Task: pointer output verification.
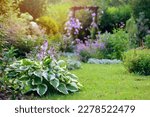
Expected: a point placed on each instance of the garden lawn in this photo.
(111, 82)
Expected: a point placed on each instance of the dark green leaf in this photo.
(41, 89)
(72, 87)
(62, 88)
(37, 81)
(54, 83)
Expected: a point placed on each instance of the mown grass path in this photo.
(108, 82)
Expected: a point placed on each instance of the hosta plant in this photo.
(45, 76)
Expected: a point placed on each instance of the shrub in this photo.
(49, 24)
(114, 17)
(66, 44)
(147, 41)
(16, 32)
(59, 12)
(116, 44)
(138, 61)
(41, 77)
(6, 58)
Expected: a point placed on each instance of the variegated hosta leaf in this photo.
(54, 83)
(62, 88)
(37, 80)
(42, 89)
(72, 87)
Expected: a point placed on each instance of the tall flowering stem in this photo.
(73, 26)
(93, 26)
(45, 50)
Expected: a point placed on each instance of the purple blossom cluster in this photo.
(94, 24)
(72, 26)
(89, 46)
(45, 50)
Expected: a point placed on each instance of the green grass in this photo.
(111, 82)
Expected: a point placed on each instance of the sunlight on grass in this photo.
(108, 82)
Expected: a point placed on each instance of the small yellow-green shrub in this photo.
(49, 24)
(138, 61)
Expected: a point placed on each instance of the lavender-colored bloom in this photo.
(46, 51)
(102, 45)
(90, 46)
(93, 14)
(73, 24)
(44, 47)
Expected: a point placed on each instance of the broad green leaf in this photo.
(72, 76)
(41, 89)
(47, 61)
(24, 68)
(26, 89)
(37, 81)
(12, 74)
(38, 73)
(26, 62)
(61, 63)
(45, 75)
(62, 88)
(72, 87)
(24, 78)
(54, 83)
(52, 77)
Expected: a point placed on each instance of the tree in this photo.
(141, 6)
(33, 7)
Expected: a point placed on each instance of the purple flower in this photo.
(46, 51)
(44, 47)
(73, 24)
(90, 46)
(93, 14)
(102, 45)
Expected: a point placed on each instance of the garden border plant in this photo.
(46, 76)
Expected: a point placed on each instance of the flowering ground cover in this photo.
(108, 82)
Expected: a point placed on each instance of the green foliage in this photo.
(85, 55)
(35, 8)
(59, 12)
(116, 44)
(141, 6)
(138, 61)
(16, 32)
(42, 77)
(86, 23)
(142, 28)
(147, 41)
(6, 58)
(48, 23)
(131, 28)
(73, 64)
(114, 17)
(116, 82)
